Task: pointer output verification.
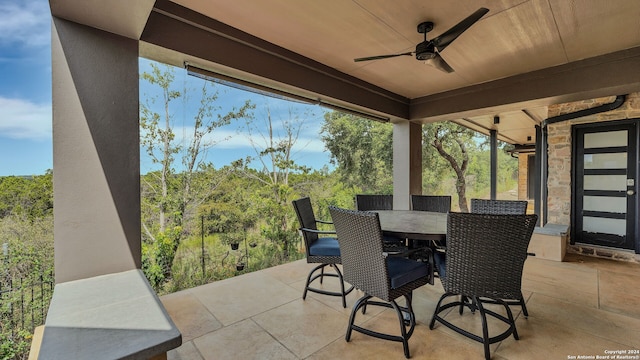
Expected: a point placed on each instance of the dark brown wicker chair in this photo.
(384, 277)
(374, 202)
(515, 207)
(435, 203)
(482, 206)
(381, 202)
(485, 259)
(322, 250)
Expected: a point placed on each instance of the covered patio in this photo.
(583, 306)
(511, 68)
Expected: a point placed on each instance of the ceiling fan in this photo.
(429, 50)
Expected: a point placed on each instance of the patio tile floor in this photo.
(582, 306)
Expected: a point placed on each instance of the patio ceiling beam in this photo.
(243, 56)
(606, 75)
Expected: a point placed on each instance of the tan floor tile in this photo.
(472, 322)
(600, 323)
(562, 298)
(366, 347)
(241, 297)
(243, 340)
(329, 284)
(567, 281)
(187, 351)
(603, 264)
(541, 339)
(303, 327)
(620, 292)
(291, 272)
(190, 316)
(424, 302)
(423, 344)
(558, 271)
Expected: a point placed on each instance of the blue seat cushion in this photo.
(325, 247)
(403, 271)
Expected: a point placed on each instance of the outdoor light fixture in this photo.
(272, 92)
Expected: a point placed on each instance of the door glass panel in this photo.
(604, 225)
(605, 139)
(605, 204)
(605, 182)
(605, 161)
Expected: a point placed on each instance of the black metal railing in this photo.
(24, 301)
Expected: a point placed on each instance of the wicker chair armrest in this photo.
(317, 231)
(324, 221)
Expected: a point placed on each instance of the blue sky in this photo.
(25, 101)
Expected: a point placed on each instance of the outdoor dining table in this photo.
(414, 225)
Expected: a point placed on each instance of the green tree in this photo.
(451, 141)
(169, 190)
(362, 149)
(273, 140)
(31, 196)
(26, 259)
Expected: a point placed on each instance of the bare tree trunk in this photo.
(459, 169)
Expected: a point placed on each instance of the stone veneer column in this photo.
(407, 163)
(523, 175)
(96, 156)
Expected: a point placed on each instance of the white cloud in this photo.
(228, 139)
(25, 22)
(21, 119)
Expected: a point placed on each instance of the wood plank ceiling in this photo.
(514, 45)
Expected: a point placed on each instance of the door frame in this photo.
(633, 156)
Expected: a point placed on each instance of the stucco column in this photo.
(96, 156)
(407, 163)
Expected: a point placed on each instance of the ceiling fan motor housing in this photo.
(425, 50)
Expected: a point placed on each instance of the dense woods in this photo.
(248, 205)
(202, 223)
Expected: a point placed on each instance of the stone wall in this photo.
(523, 180)
(523, 175)
(559, 151)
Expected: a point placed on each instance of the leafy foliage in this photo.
(362, 150)
(26, 259)
(26, 196)
(191, 210)
(170, 192)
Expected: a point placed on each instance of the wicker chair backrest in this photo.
(360, 240)
(374, 202)
(483, 206)
(486, 254)
(306, 219)
(435, 203)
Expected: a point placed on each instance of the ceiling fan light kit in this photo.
(429, 50)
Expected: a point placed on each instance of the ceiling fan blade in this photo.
(382, 57)
(439, 63)
(446, 38)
